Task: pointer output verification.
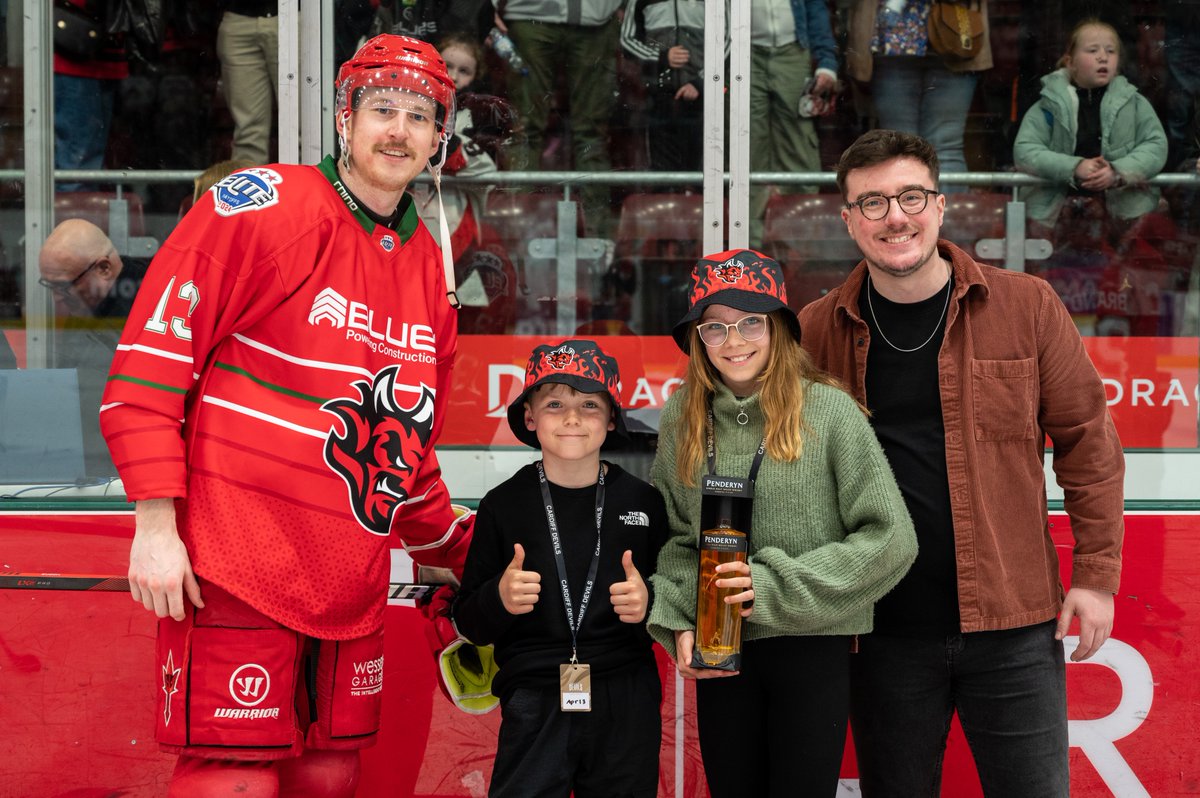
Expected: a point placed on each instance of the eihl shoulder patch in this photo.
(247, 190)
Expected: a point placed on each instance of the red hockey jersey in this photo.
(283, 373)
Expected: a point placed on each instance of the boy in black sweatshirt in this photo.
(578, 685)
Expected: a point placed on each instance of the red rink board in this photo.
(76, 690)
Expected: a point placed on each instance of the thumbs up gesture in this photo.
(629, 598)
(519, 589)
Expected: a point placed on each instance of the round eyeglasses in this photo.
(715, 333)
(64, 286)
(912, 201)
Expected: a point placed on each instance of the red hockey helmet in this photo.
(401, 63)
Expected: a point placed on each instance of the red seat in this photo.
(807, 235)
(974, 215)
(652, 224)
(93, 206)
(519, 217)
(659, 239)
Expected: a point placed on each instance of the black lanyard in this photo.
(712, 449)
(560, 564)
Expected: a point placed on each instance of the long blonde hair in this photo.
(781, 397)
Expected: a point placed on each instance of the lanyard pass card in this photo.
(575, 687)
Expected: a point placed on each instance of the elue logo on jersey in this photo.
(362, 325)
(248, 190)
(381, 448)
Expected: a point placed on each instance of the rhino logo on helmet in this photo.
(381, 447)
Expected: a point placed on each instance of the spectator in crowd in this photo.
(829, 533)
(914, 89)
(1091, 133)
(557, 37)
(966, 370)
(545, 525)
(88, 67)
(164, 107)
(248, 47)
(272, 411)
(1181, 49)
(485, 276)
(667, 36)
(431, 20)
(80, 265)
(792, 56)
(94, 288)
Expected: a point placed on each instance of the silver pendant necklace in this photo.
(936, 327)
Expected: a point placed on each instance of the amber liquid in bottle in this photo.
(718, 625)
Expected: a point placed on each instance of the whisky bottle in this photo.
(718, 625)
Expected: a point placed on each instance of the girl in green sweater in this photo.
(830, 533)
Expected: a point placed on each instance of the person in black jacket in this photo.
(578, 684)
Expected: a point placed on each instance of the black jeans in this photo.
(778, 729)
(1008, 687)
(610, 752)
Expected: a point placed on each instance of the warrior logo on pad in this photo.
(247, 190)
(381, 447)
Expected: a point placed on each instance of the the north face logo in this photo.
(329, 306)
(635, 518)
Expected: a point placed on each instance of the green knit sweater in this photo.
(830, 536)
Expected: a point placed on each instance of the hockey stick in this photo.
(120, 584)
(27, 581)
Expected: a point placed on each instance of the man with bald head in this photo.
(82, 268)
(93, 288)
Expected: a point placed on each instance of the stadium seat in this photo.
(94, 207)
(659, 239)
(972, 216)
(519, 217)
(806, 234)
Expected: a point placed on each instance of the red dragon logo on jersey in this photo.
(381, 448)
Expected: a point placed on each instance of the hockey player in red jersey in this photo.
(272, 410)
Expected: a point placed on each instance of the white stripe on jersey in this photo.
(301, 361)
(149, 350)
(246, 411)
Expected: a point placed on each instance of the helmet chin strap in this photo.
(443, 227)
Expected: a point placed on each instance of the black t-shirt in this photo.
(530, 647)
(906, 412)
